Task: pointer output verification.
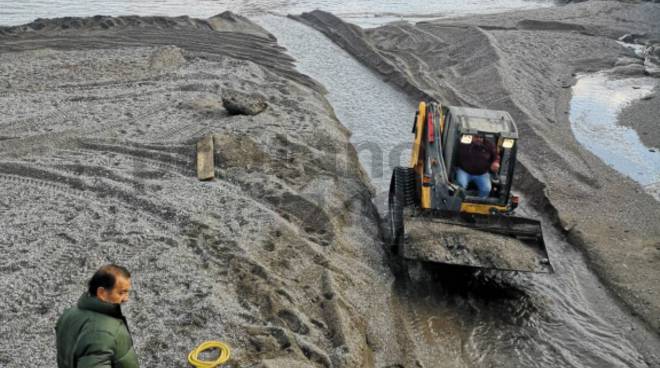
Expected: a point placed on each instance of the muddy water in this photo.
(463, 320)
(362, 12)
(596, 102)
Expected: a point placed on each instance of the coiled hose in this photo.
(223, 357)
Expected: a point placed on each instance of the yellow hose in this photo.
(222, 358)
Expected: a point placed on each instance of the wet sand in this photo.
(643, 117)
(524, 62)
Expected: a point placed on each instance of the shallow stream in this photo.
(597, 100)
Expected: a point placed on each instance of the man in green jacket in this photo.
(94, 334)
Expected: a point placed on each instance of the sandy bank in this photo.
(99, 120)
(524, 62)
(643, 117)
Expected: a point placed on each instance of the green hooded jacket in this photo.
(94, 334)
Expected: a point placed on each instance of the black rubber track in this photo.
(403, 193)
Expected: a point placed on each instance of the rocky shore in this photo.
(525, 63)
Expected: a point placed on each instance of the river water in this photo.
(362, 12)
(566, 319)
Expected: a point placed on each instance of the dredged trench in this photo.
(454, 319)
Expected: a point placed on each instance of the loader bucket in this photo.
(492, 242)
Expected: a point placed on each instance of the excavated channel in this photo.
(458, 319)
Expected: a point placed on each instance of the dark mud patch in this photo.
(540, 25)
(237, 103)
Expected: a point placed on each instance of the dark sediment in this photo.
(237, 103)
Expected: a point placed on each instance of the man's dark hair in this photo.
(106, 277)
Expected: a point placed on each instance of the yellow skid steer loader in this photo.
(433, 219)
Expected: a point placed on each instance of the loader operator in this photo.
(94, 334)
(474, 161)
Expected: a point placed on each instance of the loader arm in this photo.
(428, 161)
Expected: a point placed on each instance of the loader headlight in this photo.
(508, 142)
(466, 139)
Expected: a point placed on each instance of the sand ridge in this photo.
(98, 131)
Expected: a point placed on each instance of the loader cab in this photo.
(461, 124)
(428, 213)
